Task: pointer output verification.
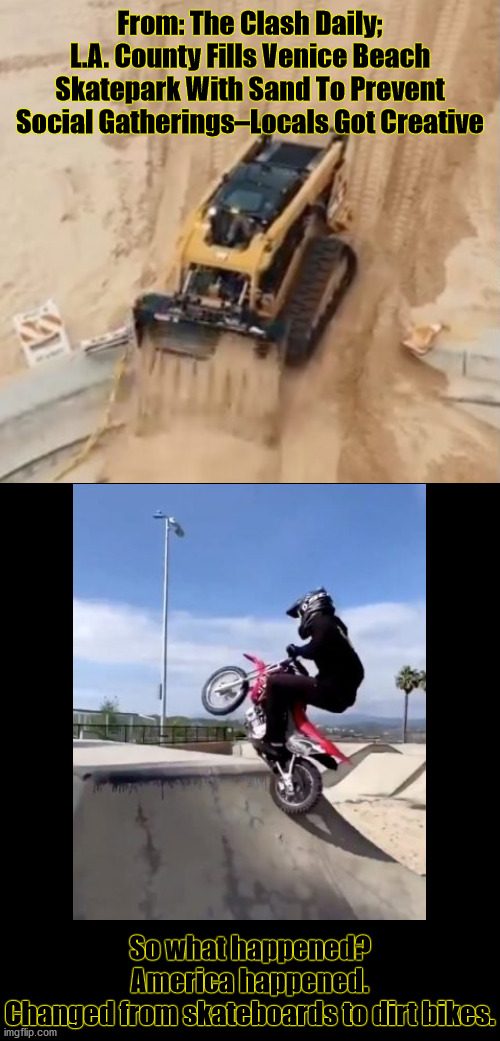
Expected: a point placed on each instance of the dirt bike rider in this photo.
(340, 671)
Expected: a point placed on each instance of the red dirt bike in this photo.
(298, 783)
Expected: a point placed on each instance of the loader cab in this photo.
(248, 202)
(230, 227)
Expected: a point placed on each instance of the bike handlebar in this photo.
(297, 665)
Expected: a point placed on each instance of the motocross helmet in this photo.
(316, 602)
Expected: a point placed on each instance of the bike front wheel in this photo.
(300, 789)
(225, 690)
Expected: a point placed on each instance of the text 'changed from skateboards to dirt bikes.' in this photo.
(225, 992)
(217, 46)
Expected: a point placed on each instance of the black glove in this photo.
(292, 650)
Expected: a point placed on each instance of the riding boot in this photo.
(272, 749)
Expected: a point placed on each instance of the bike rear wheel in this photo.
(304, 791)
(225, 690)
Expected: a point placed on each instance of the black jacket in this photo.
(332, 652)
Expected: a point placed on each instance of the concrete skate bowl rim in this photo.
(148, 773)
(27, 469)
(92, 741)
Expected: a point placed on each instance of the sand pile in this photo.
(398, 829)
(90, 220)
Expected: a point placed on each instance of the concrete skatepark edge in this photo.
(194, 842)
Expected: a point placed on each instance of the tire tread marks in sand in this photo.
(405, 173)
(422, 155)
(374, 154)
(461, 70)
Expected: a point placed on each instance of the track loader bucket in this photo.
(157, 322)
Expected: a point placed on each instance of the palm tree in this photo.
(408, 679)
(421, 681)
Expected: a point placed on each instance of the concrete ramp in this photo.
(415, 791)
(376, 776)
(187, 842)
(340, 778)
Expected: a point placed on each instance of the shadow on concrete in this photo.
(336, 831)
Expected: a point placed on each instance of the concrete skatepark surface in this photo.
(115, 753)
(190, 841)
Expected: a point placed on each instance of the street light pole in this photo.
(170, 522)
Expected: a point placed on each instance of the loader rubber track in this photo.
(328, 262)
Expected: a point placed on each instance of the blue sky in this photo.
(249, 551)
